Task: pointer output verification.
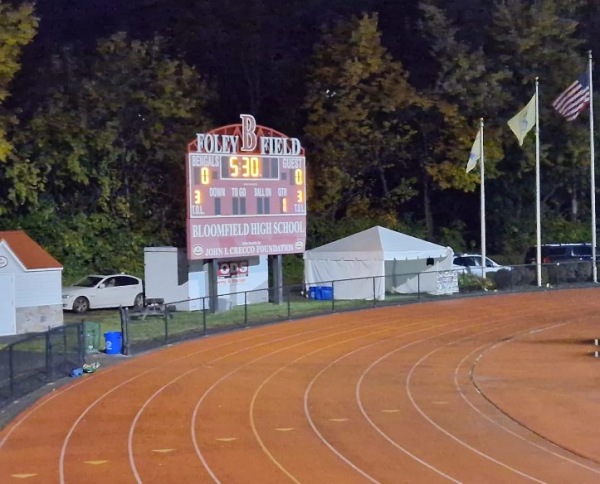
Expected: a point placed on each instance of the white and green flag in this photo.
(522, 123)
(475, 155)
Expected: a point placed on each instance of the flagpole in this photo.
(592, 171)
(537, 186)
(482, 197)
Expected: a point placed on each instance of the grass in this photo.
(186, 323)
(198, 322)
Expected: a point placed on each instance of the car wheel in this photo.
(138, 302)
(81, 305)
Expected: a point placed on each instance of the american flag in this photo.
(574, 98)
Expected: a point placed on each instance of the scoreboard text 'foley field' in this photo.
(246, 189)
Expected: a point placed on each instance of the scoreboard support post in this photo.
(276, 263)
(213, 289)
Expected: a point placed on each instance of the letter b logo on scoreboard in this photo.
(233, 268)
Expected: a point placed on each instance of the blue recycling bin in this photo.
(326, 293)
(113, 342)
(312, 292)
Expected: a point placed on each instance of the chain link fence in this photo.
(161, 323)
(38, 359)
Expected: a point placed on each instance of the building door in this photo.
(8, 317)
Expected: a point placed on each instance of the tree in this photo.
(18, 26)
(356, 131)
(257, 48)
(488, 70)
(462, 91)
(542, 40)
(103, 157)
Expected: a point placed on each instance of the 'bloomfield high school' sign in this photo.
(246, 189)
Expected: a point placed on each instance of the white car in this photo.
(103, 291)
(471, 264)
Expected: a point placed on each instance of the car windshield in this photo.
(89, 281)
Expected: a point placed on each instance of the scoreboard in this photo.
(246, 189)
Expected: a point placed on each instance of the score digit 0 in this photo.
(299, 176)
(204, 175)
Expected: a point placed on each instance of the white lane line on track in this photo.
(312, 382)
(489, 347)
(171, 382)
(443, 430)
(74, 385)
(60, 392)
(360, 324)
(272, 375)
(134, 468)
(209, 364)
(150, 370)
(379, 430)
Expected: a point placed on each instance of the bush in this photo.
(503, 279)
(569, 272)
(470, 282)
(522, 276)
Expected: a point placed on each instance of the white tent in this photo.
(367, 264)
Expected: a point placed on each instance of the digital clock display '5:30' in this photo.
(236, 167)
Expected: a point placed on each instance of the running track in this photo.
(492, 389)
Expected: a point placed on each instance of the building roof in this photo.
(29, 252)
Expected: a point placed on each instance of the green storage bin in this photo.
(92, 336)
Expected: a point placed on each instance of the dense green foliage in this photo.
(97, 172)
(386, 98)
(17, 28)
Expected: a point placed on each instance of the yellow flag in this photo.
(523, 121)
(475, 152)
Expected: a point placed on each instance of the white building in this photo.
(30, 286)
(168, 275)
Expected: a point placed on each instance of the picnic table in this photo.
(153, 308)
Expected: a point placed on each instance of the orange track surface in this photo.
(491, 389)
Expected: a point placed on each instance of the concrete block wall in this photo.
(39, 318)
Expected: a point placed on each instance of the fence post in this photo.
(332, 296)
(64, 331)
(289, 306)
(127, 321)
(124, 312)
(374, 292)
(166, 327)
(81, 343)
(204, 315)
(11, 369)
(245, 308)
(48, 356)
(418, 286)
